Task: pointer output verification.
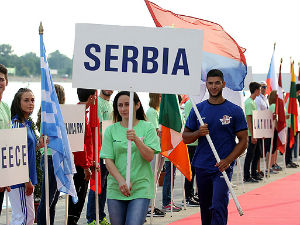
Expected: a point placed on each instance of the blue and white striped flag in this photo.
(53, 126)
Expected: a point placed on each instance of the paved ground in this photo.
(178, 197)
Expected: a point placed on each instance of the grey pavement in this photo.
(178, 197)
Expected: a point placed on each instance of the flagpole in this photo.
(6, 208)
(41, 32)
(46, 181)
(66, 208)
(238, 206)
(155, 187)
(264, 159)
(129, 142)
(172, 188)
(271, 149)
(298, 146)
(241, 174)
(96, 175)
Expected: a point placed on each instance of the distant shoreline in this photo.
(37, 79)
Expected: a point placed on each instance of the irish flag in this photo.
(172, 145)
(279, 110)
(292, 108)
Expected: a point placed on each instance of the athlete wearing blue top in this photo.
(224, 121)
(21, 195)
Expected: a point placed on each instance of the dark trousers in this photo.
(188, 185)
(53, 194)
(91, 205)
(213, 196)
(81, 186)
(288, 151)
(1, 200)
(252, 159)
(166, 192)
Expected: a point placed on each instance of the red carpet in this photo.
(277, 203)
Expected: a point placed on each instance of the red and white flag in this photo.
(279, 110)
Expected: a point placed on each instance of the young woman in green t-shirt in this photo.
(129, 205)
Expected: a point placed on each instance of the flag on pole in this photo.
(172, 145)
(281, 121)
(94, 123)
(53, 126)
(293, 107)
(272, 80)
(220, 50)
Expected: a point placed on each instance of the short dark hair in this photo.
(253, 86)
(297, 87)
(215, 73)
(16, 104)
(140, 114)
(3, 70)
(84, 94)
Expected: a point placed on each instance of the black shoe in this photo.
(250, 180)
(192, 203)
(156, 213)
(258, 178)
(196, 197)
(291, 165)
(295, 164)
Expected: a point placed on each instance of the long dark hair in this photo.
(140, 114)
(16, 104)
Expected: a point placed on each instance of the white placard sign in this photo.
(74, 118)
(263, 124)
(159, 60)
(13, 157)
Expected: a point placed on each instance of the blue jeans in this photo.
(213, 196)
(166, 198)
(91, 205)
(53, 194)
(131, 212)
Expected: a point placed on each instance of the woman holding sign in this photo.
(21, 195)
(129, 205)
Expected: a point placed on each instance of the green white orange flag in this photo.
(293, 107)
(172, 145)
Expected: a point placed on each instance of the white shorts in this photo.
(22, 207)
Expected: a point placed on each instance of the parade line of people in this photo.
(229, 126)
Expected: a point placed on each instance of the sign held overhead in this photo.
(159, 60)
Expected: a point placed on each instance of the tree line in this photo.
(29, 64)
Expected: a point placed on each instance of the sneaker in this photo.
(156, 213)
(175, 208)
(291, 165)
(276, 167)
(104, 222)
(250, 180)
(192, 203)
(295, 164)
(257, 177)
(273, 171)
(196, 197)
(92, 223)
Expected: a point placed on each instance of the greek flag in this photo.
(52, 125)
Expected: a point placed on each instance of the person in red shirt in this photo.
(83, 160)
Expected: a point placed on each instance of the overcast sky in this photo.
(255, 24)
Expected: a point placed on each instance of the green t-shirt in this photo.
(152, 116)
(105, 109)
(272, 108)
(114, 146)
(187, 109)
(5, 118)
(250, 106)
